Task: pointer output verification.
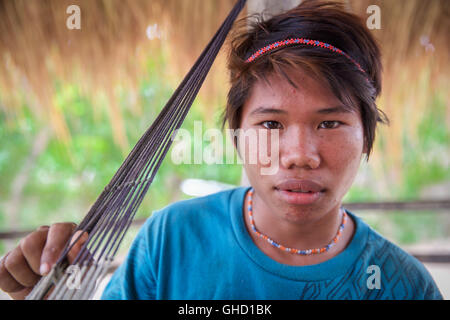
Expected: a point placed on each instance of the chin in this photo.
(303, 212)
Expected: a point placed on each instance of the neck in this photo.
(304, 231)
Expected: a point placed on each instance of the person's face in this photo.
(315, 143)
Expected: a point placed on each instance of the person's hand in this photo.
(22, 267)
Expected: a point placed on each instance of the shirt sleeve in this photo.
(426, 287)
(432, 292)
(134, 279)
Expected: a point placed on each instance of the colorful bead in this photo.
(306, 42)
(291, 250)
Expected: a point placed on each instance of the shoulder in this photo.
(404, 275)
(392, 256)
(212, 201)
(196, 212)
(215, 202)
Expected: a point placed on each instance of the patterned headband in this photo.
(296, 41)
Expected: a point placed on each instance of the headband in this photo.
(295, 41)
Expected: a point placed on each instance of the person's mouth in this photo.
(297, 191)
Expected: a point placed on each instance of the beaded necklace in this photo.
(291, 250)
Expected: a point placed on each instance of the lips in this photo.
(299, 192)
(300, 185)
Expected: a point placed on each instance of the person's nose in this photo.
(299, 149)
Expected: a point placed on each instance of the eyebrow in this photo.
(266, 110)
(337, 109)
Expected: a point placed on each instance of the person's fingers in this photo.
(32, 247)
(57, 237)
(78, 245)
(7, 281)
(20, 295)
(18, 268)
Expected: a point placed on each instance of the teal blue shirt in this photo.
(201, 249)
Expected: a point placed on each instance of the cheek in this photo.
(257, 156)
(342, 158)
(254, 177)
(256, 147)
(343, 151)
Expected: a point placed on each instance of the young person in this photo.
(308, 79)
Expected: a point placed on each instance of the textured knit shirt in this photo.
(200, 249)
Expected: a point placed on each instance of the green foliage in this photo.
(407, 227)
(67, 178)
(426, 162)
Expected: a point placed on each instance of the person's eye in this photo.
(330, 124)
(271, 125)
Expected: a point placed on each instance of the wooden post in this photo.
(268, 8)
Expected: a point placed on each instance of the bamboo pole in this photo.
(270, 7)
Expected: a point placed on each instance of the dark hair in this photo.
(318, 20)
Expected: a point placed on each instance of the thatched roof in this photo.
(115, 42)
(118, 38)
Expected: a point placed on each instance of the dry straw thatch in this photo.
(110, 50)
(108, 53)
(415, 48)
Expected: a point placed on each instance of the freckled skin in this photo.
(330, 157)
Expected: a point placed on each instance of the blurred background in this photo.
(73, 102)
